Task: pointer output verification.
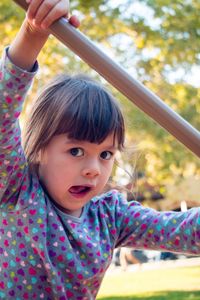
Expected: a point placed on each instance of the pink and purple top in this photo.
(47, 254)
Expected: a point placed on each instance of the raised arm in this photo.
(25, 48)
(17, 69)
(34, 31)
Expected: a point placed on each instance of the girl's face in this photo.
(75, 171)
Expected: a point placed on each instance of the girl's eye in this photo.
(76, 152)
(106, 155)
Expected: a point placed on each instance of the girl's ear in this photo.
(38, 157)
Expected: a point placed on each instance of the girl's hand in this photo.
(34, 30)
(42, 13)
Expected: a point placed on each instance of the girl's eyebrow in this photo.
(114, 148)
(72, 141)
(79, 143)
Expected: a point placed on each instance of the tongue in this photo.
(77, 189)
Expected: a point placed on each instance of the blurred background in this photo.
(158, 43)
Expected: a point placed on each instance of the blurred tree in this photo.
(168, 50)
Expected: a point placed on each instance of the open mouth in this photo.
(79, 190)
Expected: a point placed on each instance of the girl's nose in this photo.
(91, 170)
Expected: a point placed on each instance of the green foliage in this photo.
(170, 46)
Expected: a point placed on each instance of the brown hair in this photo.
(77, 106)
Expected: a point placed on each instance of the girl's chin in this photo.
(73, 212)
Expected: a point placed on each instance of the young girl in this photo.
(57, 231)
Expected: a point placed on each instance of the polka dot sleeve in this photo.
(145, 228)
(14, 84)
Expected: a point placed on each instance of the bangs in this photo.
(78, 107)
(91, 116)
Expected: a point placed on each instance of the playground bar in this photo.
(136, 92)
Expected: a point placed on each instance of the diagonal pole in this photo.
(136, 92)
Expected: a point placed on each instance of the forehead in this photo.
(62, 140)
(108, 142)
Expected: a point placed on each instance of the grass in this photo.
(166, 295)
(181, 283)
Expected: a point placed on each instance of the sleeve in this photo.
(145, 228)
(14, 84)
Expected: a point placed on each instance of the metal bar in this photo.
(136, 92)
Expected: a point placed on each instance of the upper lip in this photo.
(88, 185)
(91, 186)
